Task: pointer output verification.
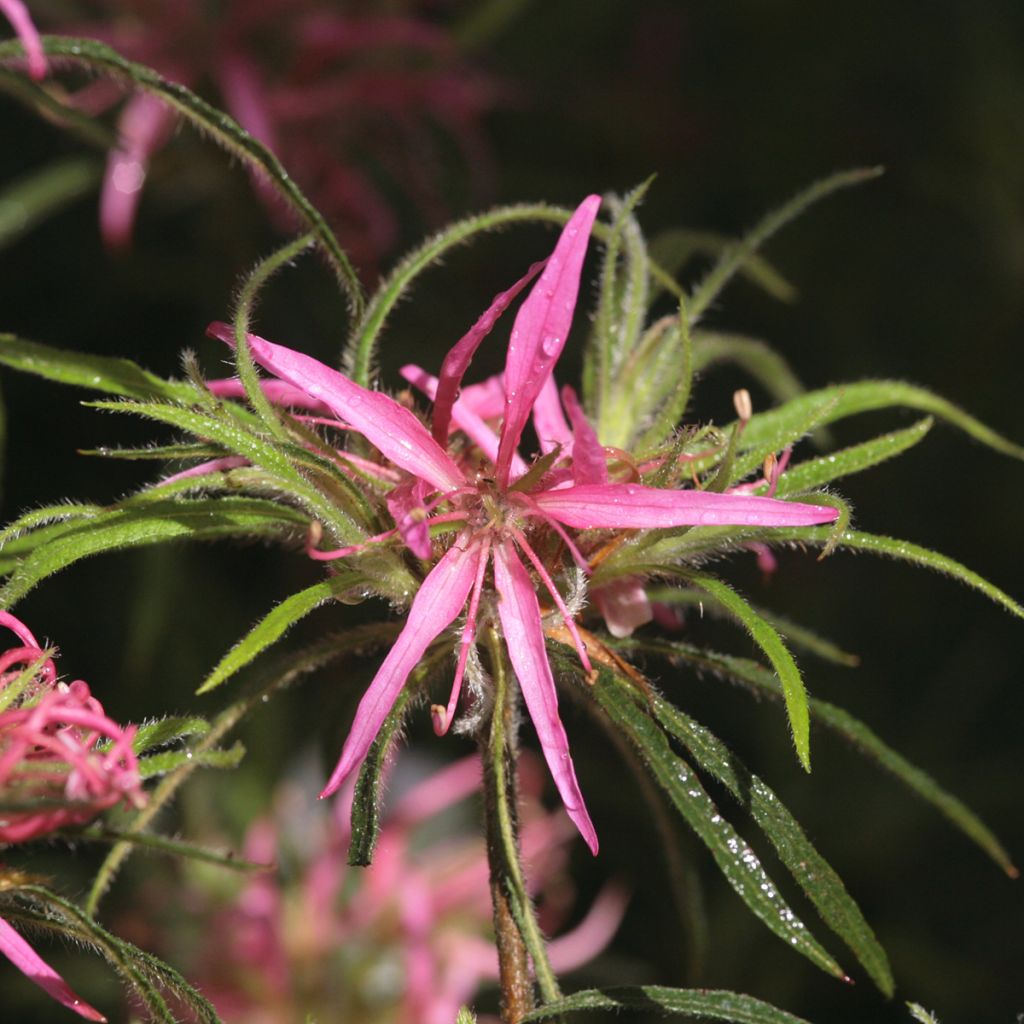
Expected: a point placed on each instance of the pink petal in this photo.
(17, 14)
(593, 933)
(634, 506)
(467, 421)
(142, 128)
(589, 465)
(486, 399)
(212, 466)
(457, 361)
(28, 961)
(541, 327)
(20, 630)
(524, 638)
(549, 420)
(439, 791)
(388, 426)
(440, 599)
(407, 506)
(623, 605)
(277, 391)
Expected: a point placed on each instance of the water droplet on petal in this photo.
(550, 345)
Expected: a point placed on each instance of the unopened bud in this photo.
(439, 719)
(768, 469)
(743, 405)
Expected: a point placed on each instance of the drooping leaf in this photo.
(275, 624)
(152, 843)
(164, 731)
(752, 355)
(699, 1003)
(45, 192)
(768, 639)
(734, 857)
(757, 677)
(814, 874)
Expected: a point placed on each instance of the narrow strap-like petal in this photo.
(388, 426)
(278, 392)
(486, 398)
(634, 506)
(457, 361)
(541, 327)
(524, 638)
(437, 604)
(37, 970)
(407, 505)
(589, 465)
(549, 420)
(464, 418)
(17, 14)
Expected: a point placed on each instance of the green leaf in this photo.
(813, 873)
(806, 476)
(734, 857)
(32, 199)
(275, 624)
(737, 256)
(798, 635)
(158, 522)
(752, 355)
(757, 677)
(768, 639)
(842, 400)
(98, 373)
(904, 551)
(164, 731)
(162, 764)
(700, 1003)
(217, 125)
(172, 847)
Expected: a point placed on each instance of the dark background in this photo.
(915, 276)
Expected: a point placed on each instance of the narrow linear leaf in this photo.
(866, 396)
(275, 624)
(162, 764)
(164, 731)
(904, 551)
(758, 359)
(173, 847)
(734, 857)
(115, 376)
(768, 639)
(157, 523)
(700, 1003)
(734, 258)
(32, 199)
(812, 872)
(757, 677)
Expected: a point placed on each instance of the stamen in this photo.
(570, 622)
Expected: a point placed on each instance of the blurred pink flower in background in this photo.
(374, 114)
(407, 940)
(62, 758)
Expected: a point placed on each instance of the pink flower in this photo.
(413, 929)
(504, 508)
(56, 746)
(17, 14)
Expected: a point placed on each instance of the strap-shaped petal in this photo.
(391, 428)
(524, 638)
(634, 506)
(437, 604)
(37, 970)
(549, 420)
(17, 14)
(541, 327)
(457, 361)
(588, 459)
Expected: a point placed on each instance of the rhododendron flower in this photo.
(65, 760)
(407, 939)
(17, 14)
(503, 505)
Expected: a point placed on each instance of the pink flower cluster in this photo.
(407, 940)
(64, 761)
